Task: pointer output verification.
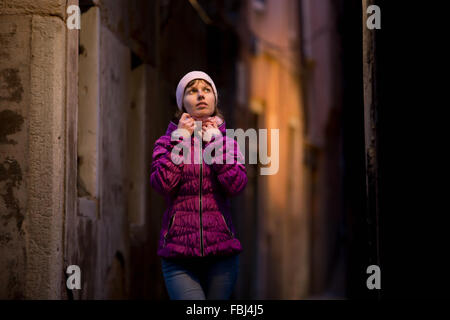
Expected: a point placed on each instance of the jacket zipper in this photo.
(201, 182)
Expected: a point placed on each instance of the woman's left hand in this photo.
(214, 121)
(210, 124)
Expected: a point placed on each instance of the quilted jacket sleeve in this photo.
(165, 173)
(231, 173)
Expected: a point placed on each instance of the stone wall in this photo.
(32, 111)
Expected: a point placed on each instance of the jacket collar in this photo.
(173, 126)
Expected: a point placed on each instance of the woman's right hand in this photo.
(187, 123)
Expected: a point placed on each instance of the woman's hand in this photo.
(208, 124)
(210, 128)
(214, 122)
(187, 123)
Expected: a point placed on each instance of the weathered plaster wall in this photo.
(32, 104)
(97, 238)
(34, 7)
(14, 100)
(114, 103)
(46, 158)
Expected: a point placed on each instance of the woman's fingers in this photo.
(186, 122)
(185, 119)
(185, 116)
(209, 123)
(206, 127)
(190, 123)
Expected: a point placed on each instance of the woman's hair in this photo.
(179, 112)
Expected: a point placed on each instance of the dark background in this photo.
(414, 214)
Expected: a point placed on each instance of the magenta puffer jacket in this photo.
(197, 221)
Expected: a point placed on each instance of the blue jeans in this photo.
(211, 278)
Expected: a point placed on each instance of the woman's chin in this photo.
(201, 115)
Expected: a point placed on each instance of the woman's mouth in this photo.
(201, 105)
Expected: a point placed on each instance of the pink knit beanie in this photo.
(189, 77)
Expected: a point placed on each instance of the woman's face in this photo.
(199, 100)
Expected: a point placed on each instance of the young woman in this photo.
(198, 246)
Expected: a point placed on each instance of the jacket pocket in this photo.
(226, 226)
(172, 220)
